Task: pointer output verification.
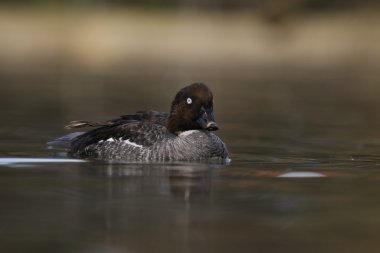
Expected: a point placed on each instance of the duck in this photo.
(186, 133)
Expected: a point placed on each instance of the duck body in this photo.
(184, 134)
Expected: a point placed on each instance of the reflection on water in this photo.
(95, 207)
(102, 207)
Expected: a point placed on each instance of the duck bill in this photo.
(207, 121)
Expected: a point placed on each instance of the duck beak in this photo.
(206, 120)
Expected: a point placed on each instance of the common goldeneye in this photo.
(184, 134)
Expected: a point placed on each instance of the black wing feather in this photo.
(141, 133)
(143, 128)
(152, 117)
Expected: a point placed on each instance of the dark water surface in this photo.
(304, 177)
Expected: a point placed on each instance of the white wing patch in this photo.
(128, 142)
(131, 143)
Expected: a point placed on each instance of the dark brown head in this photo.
(192, 109)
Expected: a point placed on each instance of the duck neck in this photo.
(173, 125)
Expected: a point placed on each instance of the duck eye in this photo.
(189, 101)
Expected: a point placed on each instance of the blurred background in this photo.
(292, 64)
(296, 86)
(81, 57)
(280, 70)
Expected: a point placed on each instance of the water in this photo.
(304, 175)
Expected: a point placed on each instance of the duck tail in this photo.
(63, 142)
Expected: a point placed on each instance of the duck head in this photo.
(192, 109)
